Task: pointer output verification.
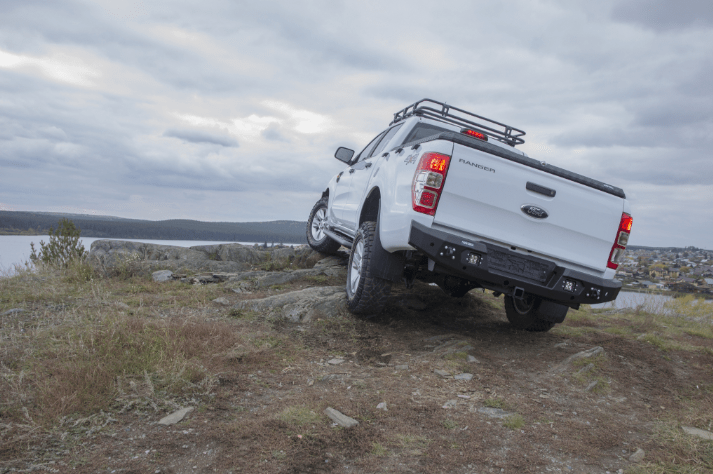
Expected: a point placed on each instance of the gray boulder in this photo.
(162, 275)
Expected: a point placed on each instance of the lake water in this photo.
(628, 299)
(15, 249)
(648, 302)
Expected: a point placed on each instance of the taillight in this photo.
(474, 134)
(428, 182)
(622, 238)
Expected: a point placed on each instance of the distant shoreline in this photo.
(20, 232)
(108, 227)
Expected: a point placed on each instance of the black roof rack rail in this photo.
(425, 108)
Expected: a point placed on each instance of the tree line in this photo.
(175, 229)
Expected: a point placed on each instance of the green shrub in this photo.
(63, 248)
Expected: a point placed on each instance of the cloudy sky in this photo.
(231, 111)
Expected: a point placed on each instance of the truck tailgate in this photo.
(484, 196)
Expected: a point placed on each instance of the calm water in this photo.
(15, 249)
(647, 301)
(632, 300)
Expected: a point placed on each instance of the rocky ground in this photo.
(276, 376)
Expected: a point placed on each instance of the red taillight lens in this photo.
(626, 221)
(428, 182)
(474, 134)
(622, 238)
(436, 162)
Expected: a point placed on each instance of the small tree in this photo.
(63, 248)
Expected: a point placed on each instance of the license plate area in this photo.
(510, 263)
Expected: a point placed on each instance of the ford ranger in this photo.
(442, 195)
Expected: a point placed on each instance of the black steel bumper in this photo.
(500, 269)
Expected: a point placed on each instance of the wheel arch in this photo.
(370, 208)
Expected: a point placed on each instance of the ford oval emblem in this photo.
(534, 211)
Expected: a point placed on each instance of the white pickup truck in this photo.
(443, 196)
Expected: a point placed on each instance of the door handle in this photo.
(351, 170)
(367, 164)
(385, 154)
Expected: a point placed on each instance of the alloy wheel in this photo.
(318, 222)
(355, 268)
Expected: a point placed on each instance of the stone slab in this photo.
(175, 417)
(703, 434)
(340, 418)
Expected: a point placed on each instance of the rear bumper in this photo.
(500, 269)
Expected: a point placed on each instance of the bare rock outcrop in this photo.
(300, 306)
(112, 255)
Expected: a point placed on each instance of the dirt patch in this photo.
(437, 384)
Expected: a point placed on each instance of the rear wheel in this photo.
(366, 294)
(316, 224)
(525, 313)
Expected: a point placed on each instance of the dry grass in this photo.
(90, 358)
(682, 324)
(75, 349)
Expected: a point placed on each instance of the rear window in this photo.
(423, 130)
(385, 141)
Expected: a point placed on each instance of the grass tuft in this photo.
(494, 403)
(299, 416)
(450, 424)
(514, 422)
(378, 450)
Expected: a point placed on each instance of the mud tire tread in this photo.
(372, 292)
(528, 322)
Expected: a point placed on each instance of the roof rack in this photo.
(445, 113)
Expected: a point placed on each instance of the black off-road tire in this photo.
(525, 314)
(319, 241)
(368, 295)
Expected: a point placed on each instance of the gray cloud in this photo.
(661, 15)
(201, 136)
(273, 133)
(136, 108)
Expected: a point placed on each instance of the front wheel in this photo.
(527, 313)
(316, 238)
(366, 294)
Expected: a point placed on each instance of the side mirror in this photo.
(344, 154)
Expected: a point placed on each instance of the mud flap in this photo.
(386, 265)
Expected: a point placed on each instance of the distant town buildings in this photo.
(688, 270)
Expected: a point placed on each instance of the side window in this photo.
(423, 130)
(366, 152)
(385, 141)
